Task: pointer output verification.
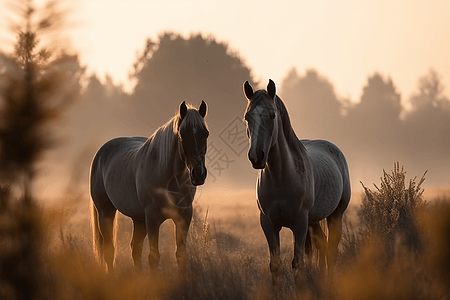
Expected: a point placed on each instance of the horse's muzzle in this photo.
(259, 165)
(258, 160)
(198, 175)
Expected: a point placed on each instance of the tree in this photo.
(380, 104)
(97, 116)
(428, 126)
(430, 94)
(313, 104)
(197, 68)
(175, 69)
(37, 86)
(375, 120)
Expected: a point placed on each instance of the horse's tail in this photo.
(97, 239)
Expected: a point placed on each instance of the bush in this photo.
(400, 248)
(389, 210)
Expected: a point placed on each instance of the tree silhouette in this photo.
(313, 104)
(166, 72)
(97, 117)
(376, 118)
(428, 124)
(97, 114)
(380, 103)
(177, 69)
(37, 86)
(430, 94)
(373, 129)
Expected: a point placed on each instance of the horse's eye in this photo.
(272, 116)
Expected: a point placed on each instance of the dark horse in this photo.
(300, 183)
(149, 180)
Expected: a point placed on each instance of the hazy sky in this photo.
(344, 40)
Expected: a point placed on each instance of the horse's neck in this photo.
(285, 155)
(179, 164)
(173, 162)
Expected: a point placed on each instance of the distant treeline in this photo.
(373, 133)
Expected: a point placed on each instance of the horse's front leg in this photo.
(272, 233)
(153, 221)
(139, 233)
(300, 231)
(182, 223)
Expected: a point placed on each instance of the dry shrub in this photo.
(378, 272)
(400, 249)
(389, 210)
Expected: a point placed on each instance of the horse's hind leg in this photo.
(139, 233)
(335, 232)
(334, 222)
(320, 241)
(106, 218)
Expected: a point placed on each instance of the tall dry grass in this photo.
(396, 252)
(50, 252)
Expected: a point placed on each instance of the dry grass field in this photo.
(395, 246)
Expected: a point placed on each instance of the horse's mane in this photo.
(164, 140)
(289, 133)
(292, 139)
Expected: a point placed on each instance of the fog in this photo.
(380, 128)
(54, 117)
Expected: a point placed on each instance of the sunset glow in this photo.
(346, 41)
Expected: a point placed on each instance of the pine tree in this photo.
(37, 85)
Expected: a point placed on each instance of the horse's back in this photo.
(331, 177)
(112, 169)
(325, 153)
(114, 152)
(118, 146)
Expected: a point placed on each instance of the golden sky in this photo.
(345, 40)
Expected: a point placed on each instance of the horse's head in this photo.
(193, 134)
(262, 127)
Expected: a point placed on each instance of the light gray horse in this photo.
(149, 180)
(300, 182)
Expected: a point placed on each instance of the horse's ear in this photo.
(183, 109)
(271, 89)
(202, 109)
(248, 90)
